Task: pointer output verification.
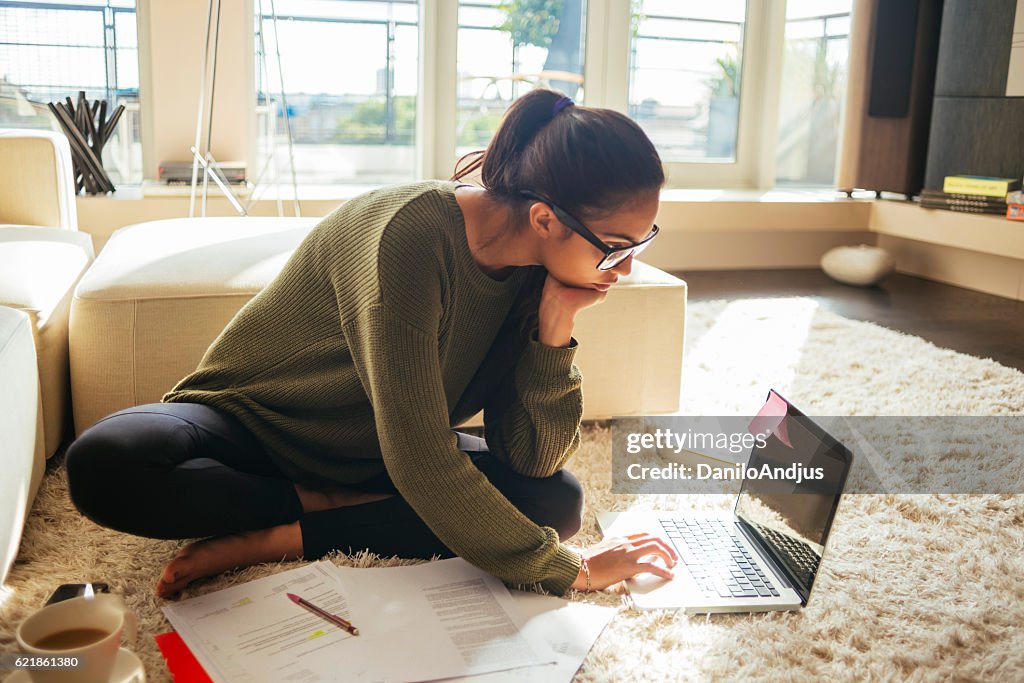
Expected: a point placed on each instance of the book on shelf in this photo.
(960, 199)
(180, 172)
(961, 196)
(980, 185)
(997, 210)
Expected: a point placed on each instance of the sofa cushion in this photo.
(21, 430)
(37, 185)
(39, 268)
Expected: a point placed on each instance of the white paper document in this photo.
(422, 622)
(568, 628)
(253, 632)
(435, 620)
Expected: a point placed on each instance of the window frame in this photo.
(112, 86)
(761, 73)
(606, 84)
(606, 73)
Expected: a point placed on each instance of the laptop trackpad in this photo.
(680, 590)
(650, 591)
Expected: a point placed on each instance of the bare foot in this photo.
(215, 555)
(335, 497)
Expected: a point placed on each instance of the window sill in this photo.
(686, 211)
(154, 190)
(787, 195)
(343, 192)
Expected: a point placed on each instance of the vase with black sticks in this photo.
(87, 128)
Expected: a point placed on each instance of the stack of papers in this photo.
(437, 620)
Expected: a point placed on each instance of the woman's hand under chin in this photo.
(571, 299)
(559, 304)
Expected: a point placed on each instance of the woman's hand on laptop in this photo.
(617, 558)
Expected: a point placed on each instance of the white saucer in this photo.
(127, 669)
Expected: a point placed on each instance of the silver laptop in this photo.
(766, 553)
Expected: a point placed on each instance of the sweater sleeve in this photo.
(532, 419)
(399, 368)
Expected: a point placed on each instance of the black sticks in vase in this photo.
(87, 134)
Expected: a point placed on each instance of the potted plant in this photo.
(723, 108)
(824, 118)
(531, 22)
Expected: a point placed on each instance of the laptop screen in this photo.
(792, 520)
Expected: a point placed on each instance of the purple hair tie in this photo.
(561, 104)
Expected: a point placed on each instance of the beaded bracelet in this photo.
(585, 566)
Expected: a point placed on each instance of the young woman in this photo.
(321, 417)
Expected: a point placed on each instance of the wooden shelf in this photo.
(983, 233)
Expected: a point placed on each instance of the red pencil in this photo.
(333, 618)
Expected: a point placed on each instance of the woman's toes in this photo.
(181, 563)
(178, 573)
(165, 589)
(171, 572)
(215, 555)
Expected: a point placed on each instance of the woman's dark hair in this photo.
(589, 161)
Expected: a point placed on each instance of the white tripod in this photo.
(206, 160)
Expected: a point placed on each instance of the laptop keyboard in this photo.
(717, 559)
(797, 555)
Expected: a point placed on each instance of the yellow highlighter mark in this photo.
(243, 601)
(316, 634)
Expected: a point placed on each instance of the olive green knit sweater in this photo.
(379, 335)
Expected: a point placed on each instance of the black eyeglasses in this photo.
(613, 256)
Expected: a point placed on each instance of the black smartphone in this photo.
(73, 590)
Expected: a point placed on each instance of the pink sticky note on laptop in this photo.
(771, 419)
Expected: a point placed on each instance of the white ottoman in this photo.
(160, 292)
(21, 430)
(39, 268)
(631, 347)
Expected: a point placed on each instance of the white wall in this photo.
(169, 75)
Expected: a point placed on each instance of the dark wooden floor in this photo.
(960, 319)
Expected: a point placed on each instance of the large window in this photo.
(813, 90)
(685, 76)
(53, 50)
(733, 93)
(349, 69)
(505, 49)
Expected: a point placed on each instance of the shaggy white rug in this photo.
(914, 587)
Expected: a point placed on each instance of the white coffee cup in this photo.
(95, 660)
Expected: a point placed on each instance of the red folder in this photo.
(183, 665)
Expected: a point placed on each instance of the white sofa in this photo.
(42, 257)
(160, 292)
(21, 430)
(39, 268)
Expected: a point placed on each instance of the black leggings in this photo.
(185, 470)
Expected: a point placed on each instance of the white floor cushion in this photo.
(160, 292)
